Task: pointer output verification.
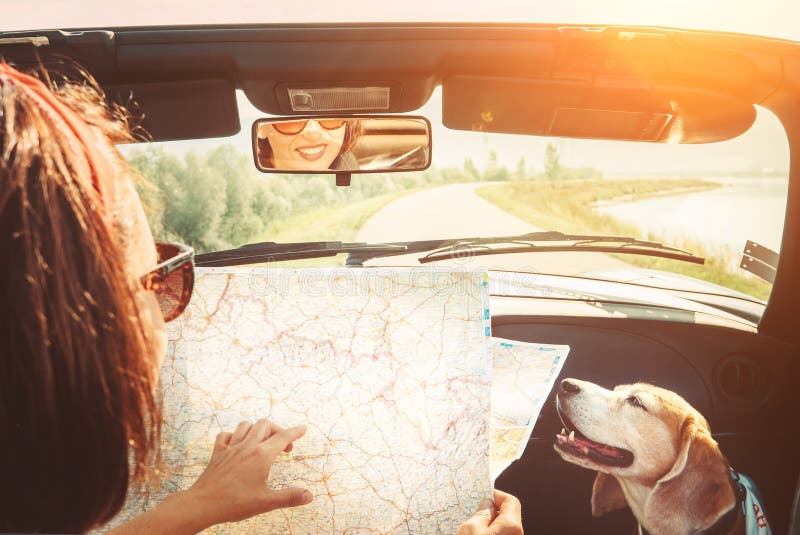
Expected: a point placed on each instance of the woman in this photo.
(85, 294)
(309, 144)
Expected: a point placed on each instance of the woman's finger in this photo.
(260, 431)
(281, 440)
(240, 433)
(222, 441)
(275, 428)
(478, 522)
(290, 497)
(507, 504)
(509, 517)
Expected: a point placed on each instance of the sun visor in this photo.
(618, 109)
(182, 109)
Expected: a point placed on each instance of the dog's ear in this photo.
(697, 491)
(607, 495)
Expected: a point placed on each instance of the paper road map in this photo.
(389, 370)
(522, 377)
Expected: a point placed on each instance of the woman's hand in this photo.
(506, 519)
(234, 485)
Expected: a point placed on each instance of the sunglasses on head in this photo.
(290, 128)
(172, 279)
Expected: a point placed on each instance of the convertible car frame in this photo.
(624, 83)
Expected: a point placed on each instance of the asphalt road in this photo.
(456, 211)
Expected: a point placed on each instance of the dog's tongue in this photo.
(587, 446)
(600, 453)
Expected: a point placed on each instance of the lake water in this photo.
(741, 209)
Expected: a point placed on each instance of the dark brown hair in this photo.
(354, 130)
(79, 417)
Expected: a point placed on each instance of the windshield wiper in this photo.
(532, 243)
(443, 249)
(255, 253)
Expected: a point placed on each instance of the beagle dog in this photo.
(653, 452)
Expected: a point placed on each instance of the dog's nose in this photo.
(568, 387)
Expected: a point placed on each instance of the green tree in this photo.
(159, 188)
(471, 170)
(495, 171)
(521, 173)
(233, 171)
(201, 206)
(183, 198)
(491, 163)
(552, 165)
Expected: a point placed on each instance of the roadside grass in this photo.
(568, 206)
(329, 223)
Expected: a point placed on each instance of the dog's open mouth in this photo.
(572, 442)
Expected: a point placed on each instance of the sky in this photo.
(763, 147)
(776, 18)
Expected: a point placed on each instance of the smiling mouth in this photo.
(311, 152)
(577, 445)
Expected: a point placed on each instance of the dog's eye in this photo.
(636, 402)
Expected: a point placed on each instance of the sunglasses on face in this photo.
(291, 128)
(173, 278)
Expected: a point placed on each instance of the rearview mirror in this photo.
(342, 144)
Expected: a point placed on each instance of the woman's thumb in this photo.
(478, 522)
(288, 497)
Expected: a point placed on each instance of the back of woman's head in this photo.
(76, 373)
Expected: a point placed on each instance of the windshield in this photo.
(708, 199)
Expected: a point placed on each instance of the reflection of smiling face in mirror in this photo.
(310, 145)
